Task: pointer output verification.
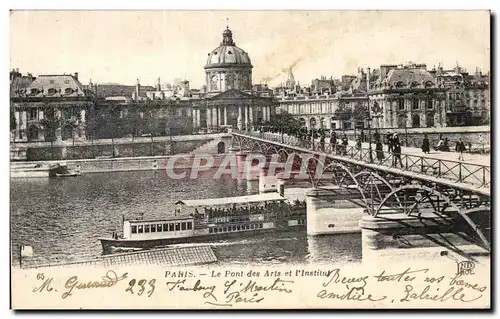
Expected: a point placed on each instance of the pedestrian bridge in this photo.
(421, 186)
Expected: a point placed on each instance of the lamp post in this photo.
(370, 138)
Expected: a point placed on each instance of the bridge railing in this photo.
(457, 171)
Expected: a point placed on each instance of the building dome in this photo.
(228, 67)
(227, 53)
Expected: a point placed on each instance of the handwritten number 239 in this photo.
(142, 286)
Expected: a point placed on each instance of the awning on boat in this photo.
(232, 200)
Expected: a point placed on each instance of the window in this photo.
(165, 227)
(210, 230)
(190, 225)
(216, 230)
(401, 103)
(183, 112)
(177, 226)
(234, 228)
(33, 114)
(238, 227)
(224, 229)
(66, 81)
(183, 226)
(52, 91)
(147, 229)
(134, 229)
(51, 81)
(153, 228)
(140, 229)
(415, 105)
(68, 90)
(170, 227)
(260, 225)
(429, 103)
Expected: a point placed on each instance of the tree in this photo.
(72, 124)
(114, 124)
(285, 122)
(360, 112)
(50, 125)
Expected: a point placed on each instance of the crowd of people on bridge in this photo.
(338, 144)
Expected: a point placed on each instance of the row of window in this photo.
(165, 227)
(226, 229)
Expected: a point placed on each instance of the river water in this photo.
(63, 218)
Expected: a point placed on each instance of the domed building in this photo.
(230, 98)
(228, 67)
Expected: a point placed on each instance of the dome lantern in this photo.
(227, 37)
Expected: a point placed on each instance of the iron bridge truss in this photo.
(384, 190)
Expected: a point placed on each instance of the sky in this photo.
(123, 46)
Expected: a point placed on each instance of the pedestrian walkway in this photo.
(479, 159)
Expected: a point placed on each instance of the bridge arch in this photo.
(439, 210)
(342, 177)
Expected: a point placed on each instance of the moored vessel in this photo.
(207, 219)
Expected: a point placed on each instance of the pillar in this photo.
(214, 116)
(17, 115)
(246, 117)
(324, 218)
(198, 118)
(240, 118)
(251, 116)
(194, 119)
(385, 238)
(41, 133)
(225, 115)
(24, 126)
(209, 117)
(221, 116)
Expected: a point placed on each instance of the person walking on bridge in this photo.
(426, 145)
(345, 142)
(379, 149)
(396, 151)
(460, 148)
(389, 143)
(333, 141)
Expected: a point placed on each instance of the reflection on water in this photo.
(63, 218)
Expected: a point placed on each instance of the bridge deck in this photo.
(413, 175)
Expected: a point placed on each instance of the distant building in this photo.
(468, 96)
(52, 107)
(407, 96)
(324, 106)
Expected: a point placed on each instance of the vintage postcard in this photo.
(250, 159)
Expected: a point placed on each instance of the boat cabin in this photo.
(151, 229)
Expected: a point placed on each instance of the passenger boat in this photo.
(206, 219)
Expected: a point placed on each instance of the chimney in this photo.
(76, 75)
(137, 89)
(158, 86)
(367, 79)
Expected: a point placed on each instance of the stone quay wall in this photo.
(107, 148)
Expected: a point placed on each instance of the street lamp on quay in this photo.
(370, 138)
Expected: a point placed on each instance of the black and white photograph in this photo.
(219, 159)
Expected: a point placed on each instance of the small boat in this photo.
(221, 218)
(69, 174)
(62, 170)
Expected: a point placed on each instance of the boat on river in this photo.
(29, 170)
(208, 219)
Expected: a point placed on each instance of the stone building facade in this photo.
(407, 96)
(52, 108)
